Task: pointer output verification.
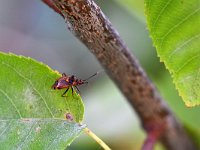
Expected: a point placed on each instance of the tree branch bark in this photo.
(88, 23)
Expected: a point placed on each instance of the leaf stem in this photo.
(97, 139)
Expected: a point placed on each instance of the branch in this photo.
(88, 23)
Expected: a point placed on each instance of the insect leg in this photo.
(77, 89)
(63, 95)
(72, 91)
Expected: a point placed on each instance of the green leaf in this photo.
(175, 29)
(32, 115)
(37, 133)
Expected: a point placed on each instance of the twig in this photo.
(97, 139)
(88, 23)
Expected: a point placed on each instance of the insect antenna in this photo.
(91, 76)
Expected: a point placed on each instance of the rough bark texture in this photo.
(88, 23)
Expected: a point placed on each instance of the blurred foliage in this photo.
(134, 6)
(194, 133)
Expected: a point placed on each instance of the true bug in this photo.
(66, 82)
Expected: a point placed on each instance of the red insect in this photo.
(66, 82)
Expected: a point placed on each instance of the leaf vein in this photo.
(58, 137)
(32, 87)
(187, 62)
(26, 137)
(160, 13)
(185, 43)
(178, 24)
(10, 100)
(5, 129)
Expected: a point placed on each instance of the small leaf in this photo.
(175, 29)
(37, 133)
(30, 111)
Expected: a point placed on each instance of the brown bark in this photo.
(88, 23)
